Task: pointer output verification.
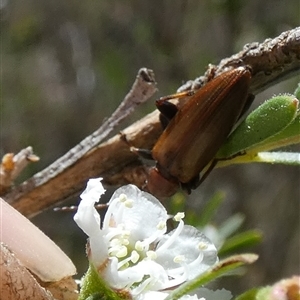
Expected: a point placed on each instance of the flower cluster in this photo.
(132, 250)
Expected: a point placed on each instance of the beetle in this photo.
(195, 131)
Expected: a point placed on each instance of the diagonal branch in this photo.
(271, 61)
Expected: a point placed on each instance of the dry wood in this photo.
(12, 165)
(271, 61)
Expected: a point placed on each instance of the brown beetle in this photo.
(196, 131)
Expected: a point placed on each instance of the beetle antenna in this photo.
(75, 208)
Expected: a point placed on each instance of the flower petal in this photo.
(88, 219)
(142, 219)
(93, 191)
(196, 250)
(155, 273)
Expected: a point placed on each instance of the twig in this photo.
(12, 165)
(142, 89)
(270, 61)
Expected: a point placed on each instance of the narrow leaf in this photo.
(210, 209)
(231, 225)
(241, 241)
(297, 91)
(249, 295)
(218, 270)
(267, 120)
(288, 136)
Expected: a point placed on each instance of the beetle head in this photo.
(160, 186)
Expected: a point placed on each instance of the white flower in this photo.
(133, 250)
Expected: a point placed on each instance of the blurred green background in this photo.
(66, 65)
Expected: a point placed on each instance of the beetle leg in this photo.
(144, 153)
(194, 184)
(191, 185)
(207, 172)
(197, 180)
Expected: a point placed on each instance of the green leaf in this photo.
(231, 225)
(262, 293)
(210, 209)
(267, 120)
(218, 270)
(288, 136)
(297, 92)
(287, 288)
(241, 241)
(249, 295)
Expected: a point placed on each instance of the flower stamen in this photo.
(151, 255)
(171, 239)
(179, 216)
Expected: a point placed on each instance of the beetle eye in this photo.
(159, 186)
